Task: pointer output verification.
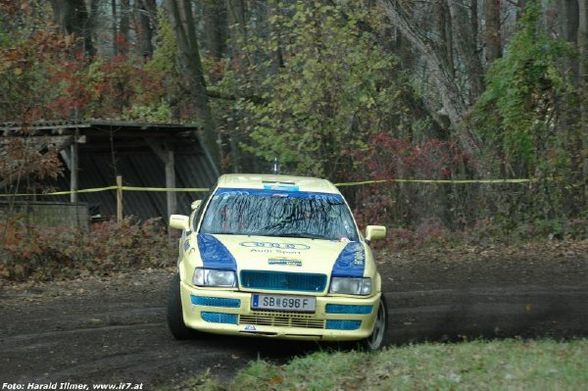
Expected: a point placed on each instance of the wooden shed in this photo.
(95, 152)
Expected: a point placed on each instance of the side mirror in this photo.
(375, 232)
(179, 222)
(196, 204)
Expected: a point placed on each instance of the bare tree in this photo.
(570, 20)
(72, 18)
(492, 36)
(583, 72)
(465, 22)
(146, 11)
(182, 20)
(215, 27)
(444, 31)
(449, 92)
(114, 27)
(124, 27)
(237, 17)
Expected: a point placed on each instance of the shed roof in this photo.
(58, 127)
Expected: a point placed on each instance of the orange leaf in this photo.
(276, 380)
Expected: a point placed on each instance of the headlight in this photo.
(351, 286)
(209, 277)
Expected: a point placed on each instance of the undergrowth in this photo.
(40, 253)
(432, 233)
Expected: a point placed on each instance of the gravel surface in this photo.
(112, 329)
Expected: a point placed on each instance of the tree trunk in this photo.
(72, 18)
(215, 27)
(521, 4)
(92, 21)
(583, 85)
(237, 14)
(465, 22)
(182, 21)
(237, 17)
(452, 102)
(114, 27)
(146, 25)
(443, 29)
(276, 55)
(492, 36)
(237, 22)
(568, 23)
(124, 27)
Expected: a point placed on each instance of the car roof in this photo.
(280, 182)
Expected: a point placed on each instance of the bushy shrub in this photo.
(40, 253)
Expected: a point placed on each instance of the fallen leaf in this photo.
(276, 380)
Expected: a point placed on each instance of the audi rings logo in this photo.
(281, 246)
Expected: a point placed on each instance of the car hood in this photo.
(242, 252)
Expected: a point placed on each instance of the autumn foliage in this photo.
(332, 91)
(391, 157)
(40, 253)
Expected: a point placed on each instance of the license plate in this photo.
(283, 303)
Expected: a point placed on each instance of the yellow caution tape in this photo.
(123, 188)
(438, 181)
(174, 189)
(56, 193)
(95, 190)
(342, 184)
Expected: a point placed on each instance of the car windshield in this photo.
(279, 213)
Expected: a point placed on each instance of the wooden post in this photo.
(170, 180)
(119, 199)
(165, 152)
(73, 169)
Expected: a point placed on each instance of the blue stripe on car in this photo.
(348, 309)
(214, 254)
(343, 324)
(351, 261)
(215, 301)
(219, 317)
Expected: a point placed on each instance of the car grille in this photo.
(281, 319)
(283, 281)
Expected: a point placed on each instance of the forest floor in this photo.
(112, 329)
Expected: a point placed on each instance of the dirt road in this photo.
(113, 329)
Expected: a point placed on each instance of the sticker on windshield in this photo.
(274, 245)
(280, 186)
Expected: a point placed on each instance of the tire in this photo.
(379, 337)
(175, 317)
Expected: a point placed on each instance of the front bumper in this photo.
(229, 312)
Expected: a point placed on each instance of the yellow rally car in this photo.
(277, 256)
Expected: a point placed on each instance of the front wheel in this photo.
(175, 317)
(379, 337)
